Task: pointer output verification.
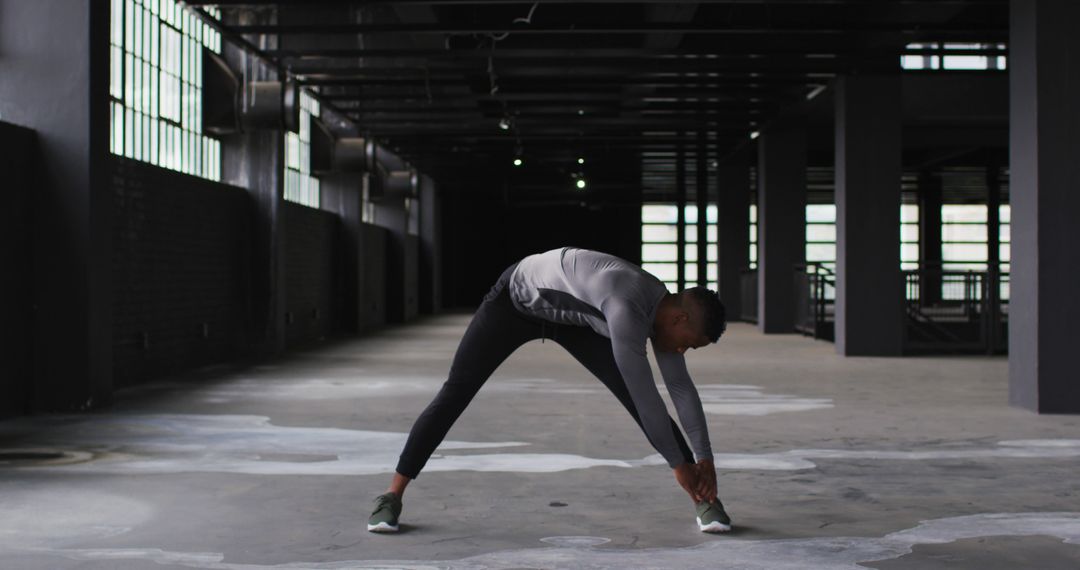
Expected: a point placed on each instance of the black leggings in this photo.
(497, 330)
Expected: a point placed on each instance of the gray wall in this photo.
(54, 79)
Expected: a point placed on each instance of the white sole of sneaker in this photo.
(714, 526)
(382, 527)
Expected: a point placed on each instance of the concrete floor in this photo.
(824, 462)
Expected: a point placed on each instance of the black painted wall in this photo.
(313, 282)
(481, 237)
(373, 273)
(182, 249)
(18, 157)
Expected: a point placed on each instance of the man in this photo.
(601, 309)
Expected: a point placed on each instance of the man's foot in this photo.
(385, 516)
(711, 517)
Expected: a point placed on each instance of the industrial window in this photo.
(155, 86)
(1004, 246)
(300, 186)
(821, 234)
(909, 236)
(964, 243)
(659, 244)
(940, 59)
(753, 236)
(659, 247)
(963, 237)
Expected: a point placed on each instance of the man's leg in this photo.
(594, 352)
(495, 332)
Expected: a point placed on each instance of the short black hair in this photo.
(713, 315)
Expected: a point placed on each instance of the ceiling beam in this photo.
(939, 32)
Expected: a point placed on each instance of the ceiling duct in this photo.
(404, 183)
(270, 105)
(220, 88)
(396, 179)
(377, 183)
(345, 154)
(264, 105)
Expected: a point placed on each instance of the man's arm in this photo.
(687, 402)
(628, 346)
(688, 406)
(635, 371)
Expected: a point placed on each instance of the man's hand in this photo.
(706, 481)
(688, 476)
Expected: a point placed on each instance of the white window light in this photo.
(155, 84)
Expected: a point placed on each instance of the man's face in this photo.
(679, 334)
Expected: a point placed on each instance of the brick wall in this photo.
(181, 271)
(311, 274)
(18, 160)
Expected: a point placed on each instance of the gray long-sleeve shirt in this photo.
(618, 300)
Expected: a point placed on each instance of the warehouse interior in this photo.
(242, 239)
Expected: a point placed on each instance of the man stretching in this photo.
(601, 309)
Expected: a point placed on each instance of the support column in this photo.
(929, 238)
(702, 186)
(255, 161)
(341, 194)
(869, 286)
(1044, 137)
(993, 217)
(431, 247)
(992, 301)
(733, 183)
(680, 218)
(781, 224)
(55, 70)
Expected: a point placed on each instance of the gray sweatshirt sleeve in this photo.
(687, 402)
(628, 345)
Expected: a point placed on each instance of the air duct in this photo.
(403, 183)
(219, 92)
(262, 105)
(346, 154)
(270, 105)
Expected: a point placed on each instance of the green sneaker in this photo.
(711, 517)
(385, 516)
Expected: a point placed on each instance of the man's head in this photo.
(691, 319)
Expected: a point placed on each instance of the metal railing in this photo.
(956, 310)
(815, 293)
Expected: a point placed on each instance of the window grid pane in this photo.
(300, 186)
(155, 83)
(659, 247)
